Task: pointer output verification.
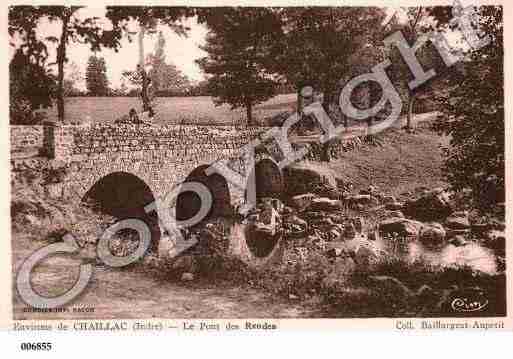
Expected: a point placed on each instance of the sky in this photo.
(182, 51)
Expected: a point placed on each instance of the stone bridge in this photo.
(130, 165)
(123, 168)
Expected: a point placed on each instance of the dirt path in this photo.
(360, 130)
(136, 293)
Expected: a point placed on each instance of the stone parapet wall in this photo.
(25, 138)
(180, 142)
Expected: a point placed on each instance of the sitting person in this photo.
(134, 119)
(147, 116)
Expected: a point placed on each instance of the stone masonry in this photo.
(161, 156)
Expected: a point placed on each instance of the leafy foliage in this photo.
(473, 115)
(418, 24)
(318, 44)
(31, 86)
(96, 77)
(238, 47)
(148, 18)
(165, 76)
(24, 21)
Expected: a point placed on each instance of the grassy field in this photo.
(185, 110)
(403, 163)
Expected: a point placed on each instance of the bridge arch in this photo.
(268, 177)
(124, 195)
(188, 203)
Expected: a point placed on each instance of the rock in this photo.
(54, 190)
(32, 220)
(425, 292)
(349, 231)
(496, 240)
(360, 199)
(388, 199)
(272, 202)
(253, 217)
(184, 263)
(497, 224)
(303, 178)
(302, 201)
(495, 234)
(359, 223)
(334, 252)
(278, 119)
(267, 222)
(459, 214)
(366, 253)
(372, 190)
(457, 232)
(431, 206)
(287, 210)
(323, 223)
(326, 190)
(401, 226)
(334, 234)
(432, 234)
(458, 241)
(374, 236)
(480, 227)
(500, 208)
(394, 214)
(297, 221)
(394, 206)
(338, 218)
(187, 277)
(264, 229)
(269, 219)
(343, 184)
(313, 215)
(457, 220)
(325, 204)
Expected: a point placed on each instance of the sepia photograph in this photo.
(263, 162)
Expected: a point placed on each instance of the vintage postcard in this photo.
(256, 168)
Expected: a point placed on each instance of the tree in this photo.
(317, 45)
(96, 77)
(147, 18)
(24, 20)
(31, 87)
(473, 112)
(72, 76)
(238, 46)
(164, 76)
(417, 25)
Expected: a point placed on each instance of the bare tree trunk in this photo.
(249, 113)
(327, 99)
(144, 86)
(299, 102)
(409, 116)
(61, 59)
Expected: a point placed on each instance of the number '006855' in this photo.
(36, 346)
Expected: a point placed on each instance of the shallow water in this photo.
(471, 255)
